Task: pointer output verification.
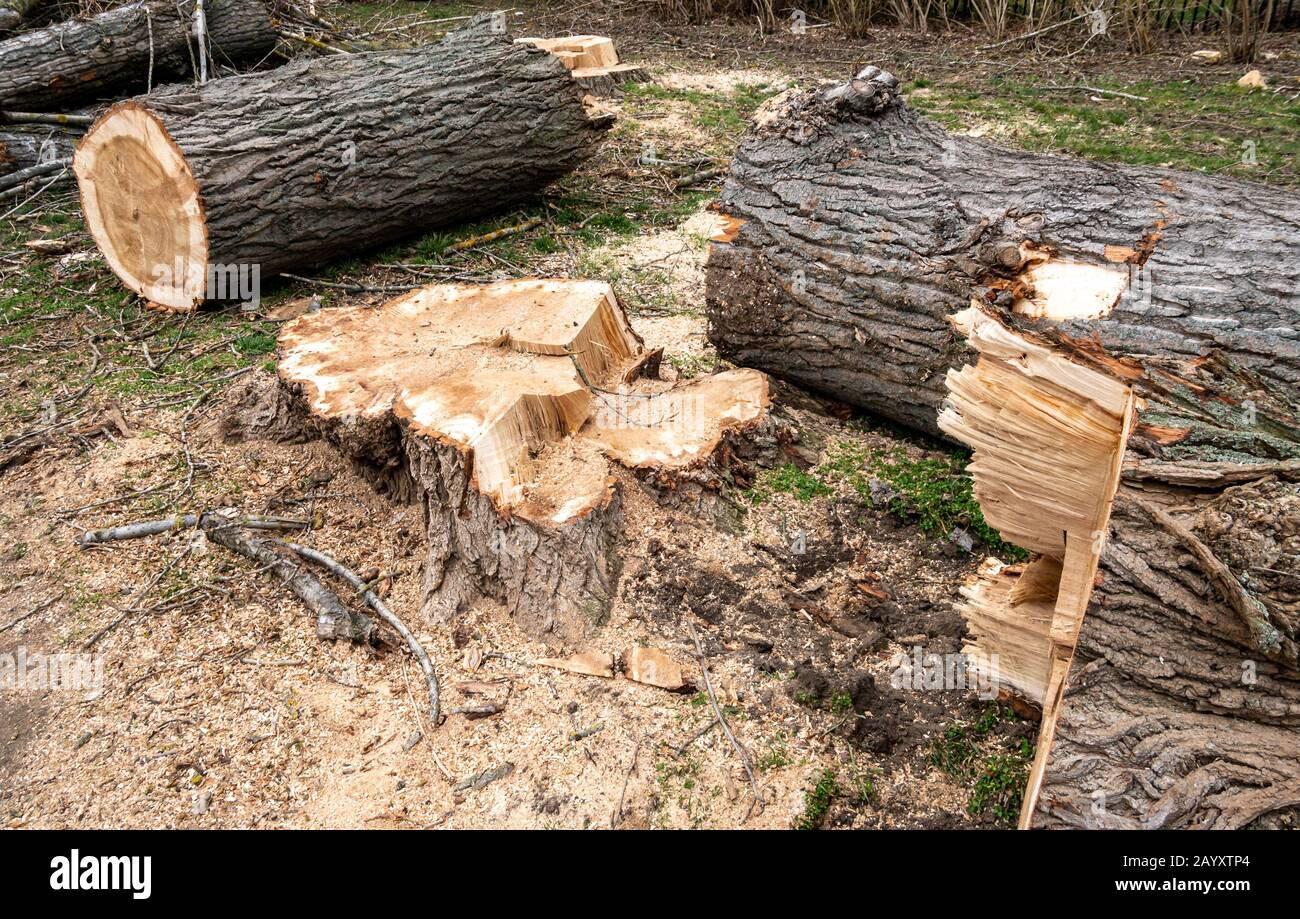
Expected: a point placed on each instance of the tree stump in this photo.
(1132, 407)
(187, 188)
(513, 415)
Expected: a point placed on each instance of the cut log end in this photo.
(142, 206)
(506, 405)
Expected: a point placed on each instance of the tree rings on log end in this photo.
(142, 206)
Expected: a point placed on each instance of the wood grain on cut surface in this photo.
(502, 409)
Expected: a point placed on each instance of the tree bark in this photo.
(1132, 404)
(126, 49)
(863, 227)
(13, 11)
(325, 157)
(22, 146)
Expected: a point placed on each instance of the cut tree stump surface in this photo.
(505, 405)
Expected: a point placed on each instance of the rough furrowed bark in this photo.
(13, 11)
(112, 53)
(318, 159)
(22, 146)
(1129, 361)
(512, 413)
(861, 226)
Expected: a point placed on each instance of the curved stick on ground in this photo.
(372, 600)
(184, 522)
(333, 619)
(755, 801)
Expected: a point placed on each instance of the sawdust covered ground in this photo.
(220, 708)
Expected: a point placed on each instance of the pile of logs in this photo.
(1132, 405)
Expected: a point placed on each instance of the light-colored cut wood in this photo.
(588, 663)
(142, 206)
(578, 51)
(654, 667)
(1049, 437)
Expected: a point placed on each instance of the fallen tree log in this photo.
(860, 227)
(1132, 407)
(125, 50)
(13, 11)
(22, 146)
(320, 158)
(512, 415)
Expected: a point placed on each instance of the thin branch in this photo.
(755, 801)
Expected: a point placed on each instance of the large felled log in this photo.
(22, 146)
(320, 158)
(1131, 401)
(13, 11)
(506, 411)
(112, 53)
(863, 226)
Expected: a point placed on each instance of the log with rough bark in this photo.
(22, 146)
(1119, 347)
(125, 50)
(514, 415)
(861, 226)
(321, 158)
(13, 11)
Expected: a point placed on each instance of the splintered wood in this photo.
(1048, 437)
(590, 59)
(507, 407)
(517, 375)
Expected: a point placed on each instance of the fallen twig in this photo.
(185, 521)
(21, 176)
(755, 800)
(699, 177)
(46, 118)
(494, 235)
(1090, 89)
(376, 604)
(333, 619)
(1043, 31)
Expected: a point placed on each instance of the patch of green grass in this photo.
(788, 479)
(1185, 124)
(998, 779)
(776, 756)
(1001, 786)
(841, 702)
(935, 490)
(865, 788)
(723, 115)
(255, 343)
(817, 803)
